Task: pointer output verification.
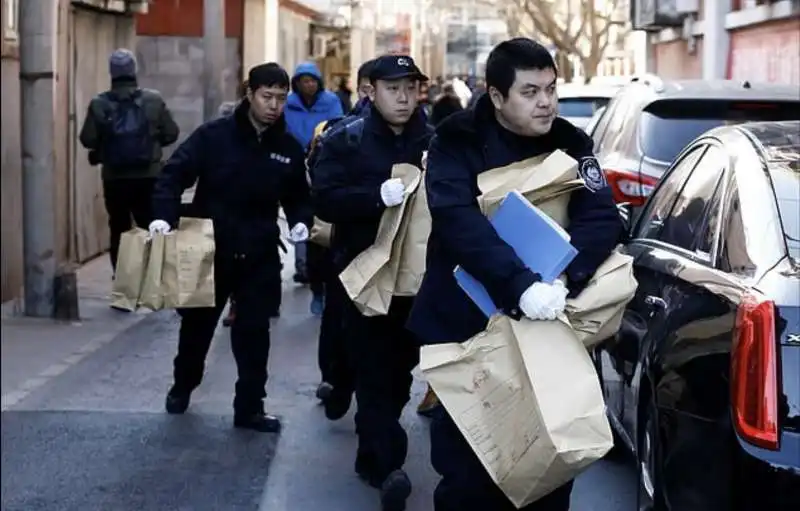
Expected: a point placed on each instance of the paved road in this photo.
(91, 435)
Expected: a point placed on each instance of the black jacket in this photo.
(163, 128)
(465, 145)
(242, 179)
(353, 162)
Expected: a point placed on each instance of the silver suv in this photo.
(650, 121)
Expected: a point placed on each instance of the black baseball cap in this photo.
(394, 67)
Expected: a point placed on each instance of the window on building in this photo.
(11, 18)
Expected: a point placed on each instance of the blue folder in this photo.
(538, 240)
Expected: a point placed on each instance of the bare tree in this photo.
(582, 28)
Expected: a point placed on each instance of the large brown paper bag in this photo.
(188, 275)
(370, 278)
(152, 295)
(412, 248)
(527, 399)
(596, 313)
(545, 180)
(131, 261)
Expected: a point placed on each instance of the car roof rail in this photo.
(650, 80)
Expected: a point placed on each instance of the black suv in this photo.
(651, 120)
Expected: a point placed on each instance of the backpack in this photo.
(128, 143)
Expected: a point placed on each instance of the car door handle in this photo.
(655, 302)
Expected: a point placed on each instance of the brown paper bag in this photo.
(412, 250)
(321, 233)
(188, 275)
(152, 295)
(133, 254)
(596, 314)
(370, 278)
(526, 397)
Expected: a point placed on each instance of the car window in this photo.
(594, 121)
(691, 224)
(615, 131)
(580, 107)
(663, 198)
(602, 124)
(667, 126)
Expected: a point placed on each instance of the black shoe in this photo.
(177, 401)
(259, 421)
(324, 391)
(337, 405)
(395, 490)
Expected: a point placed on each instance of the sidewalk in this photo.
(34, 351)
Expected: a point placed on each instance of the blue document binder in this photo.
(538, 240)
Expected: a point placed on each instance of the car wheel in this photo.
(650, 496)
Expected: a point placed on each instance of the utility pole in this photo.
(36, 26)
(213, 56)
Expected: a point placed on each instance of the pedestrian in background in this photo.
(345, 94)
(446, 104)
(125, 130)
(246, 166)
(308, 105)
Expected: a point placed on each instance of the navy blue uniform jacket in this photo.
(353, 162)
(242, 178)
(465, 145)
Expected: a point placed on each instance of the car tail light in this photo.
(630, 187)
(754, 378)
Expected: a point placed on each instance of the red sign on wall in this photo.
(767, 53)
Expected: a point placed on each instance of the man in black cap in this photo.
(245, 165)
(125, 130)
(352, 188)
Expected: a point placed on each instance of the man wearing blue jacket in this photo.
(515, 120)
(308, 105)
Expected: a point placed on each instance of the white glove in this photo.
(544, 301)
(392, 192)
(159, 227)
(298, 234)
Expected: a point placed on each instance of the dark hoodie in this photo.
(162, 126)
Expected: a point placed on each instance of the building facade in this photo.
(756, 40)
(84, 34)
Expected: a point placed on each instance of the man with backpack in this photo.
(125, 130)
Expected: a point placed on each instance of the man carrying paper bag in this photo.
(515, 120)
(246, 166)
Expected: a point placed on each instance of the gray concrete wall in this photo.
(174, 66)
(11, 168)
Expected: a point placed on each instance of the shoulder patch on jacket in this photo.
(593, 176)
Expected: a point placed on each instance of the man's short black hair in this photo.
(365, 69)
(515, 54)
(267, 75)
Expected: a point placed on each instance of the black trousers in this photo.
(319, 267)
(253, 282)
(383, 354)
(465, 484)
(332, 354)
(127, 201)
